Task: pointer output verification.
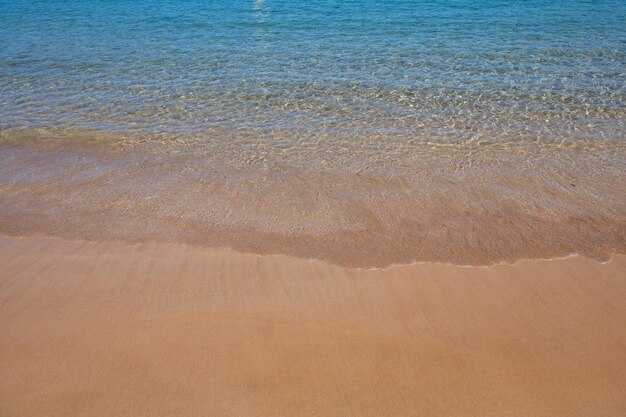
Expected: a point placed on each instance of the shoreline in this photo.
(479, 209)
(202, 247)
(104, 329)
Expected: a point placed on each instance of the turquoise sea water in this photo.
(363, 132)
(429, 70)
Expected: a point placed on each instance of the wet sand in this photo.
(155, 329)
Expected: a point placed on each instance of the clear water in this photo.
(446, 97)
(453, 71)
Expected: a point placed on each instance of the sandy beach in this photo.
(156, 329)
(272, 208)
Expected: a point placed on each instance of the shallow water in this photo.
(361, 132)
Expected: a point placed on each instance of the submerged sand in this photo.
(465, 204)
(156, 329)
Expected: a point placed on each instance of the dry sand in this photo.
(109, 329)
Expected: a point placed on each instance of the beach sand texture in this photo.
(111, 329)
